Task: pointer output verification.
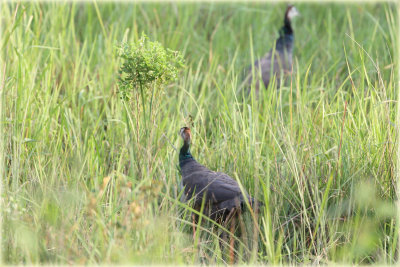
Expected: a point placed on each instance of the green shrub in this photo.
(147, 64)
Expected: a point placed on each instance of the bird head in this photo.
(185, 134)
(291, 12)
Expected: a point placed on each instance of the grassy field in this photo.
(88, 179)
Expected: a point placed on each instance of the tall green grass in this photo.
(86, 182)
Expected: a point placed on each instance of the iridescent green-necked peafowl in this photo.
(223, 200)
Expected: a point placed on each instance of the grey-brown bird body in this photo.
(278, 61)
(221, 194)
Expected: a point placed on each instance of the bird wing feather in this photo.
(217, 186)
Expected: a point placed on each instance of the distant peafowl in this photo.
(282, 58)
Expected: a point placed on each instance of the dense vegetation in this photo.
(87, 179)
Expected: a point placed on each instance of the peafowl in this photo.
(219, 194)
(222, 194)
(278, 61)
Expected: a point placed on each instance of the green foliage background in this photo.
(88, 180)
